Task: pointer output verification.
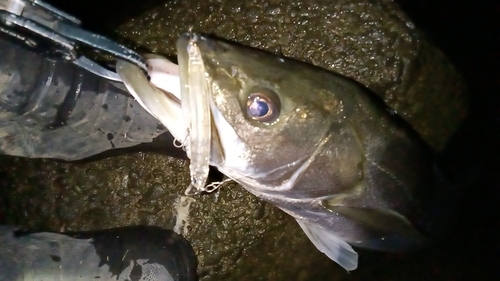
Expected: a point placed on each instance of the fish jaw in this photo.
(160, 99)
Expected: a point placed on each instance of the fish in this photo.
(319, 146)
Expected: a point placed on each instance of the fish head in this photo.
(267, 121)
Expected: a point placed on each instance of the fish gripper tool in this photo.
(58, 35)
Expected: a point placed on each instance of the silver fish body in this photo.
(321, 148)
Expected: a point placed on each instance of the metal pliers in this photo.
(57, 34)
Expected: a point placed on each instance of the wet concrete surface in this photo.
(238, 237)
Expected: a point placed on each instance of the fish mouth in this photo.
(189, 112)
(164, 96)
(161, 99)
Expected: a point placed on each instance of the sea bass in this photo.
(318, 146)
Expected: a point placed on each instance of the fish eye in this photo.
(263, 105)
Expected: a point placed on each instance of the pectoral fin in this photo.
(332, 246)
(379, 229)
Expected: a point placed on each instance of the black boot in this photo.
(133, 253)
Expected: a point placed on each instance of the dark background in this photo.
(468, 32)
